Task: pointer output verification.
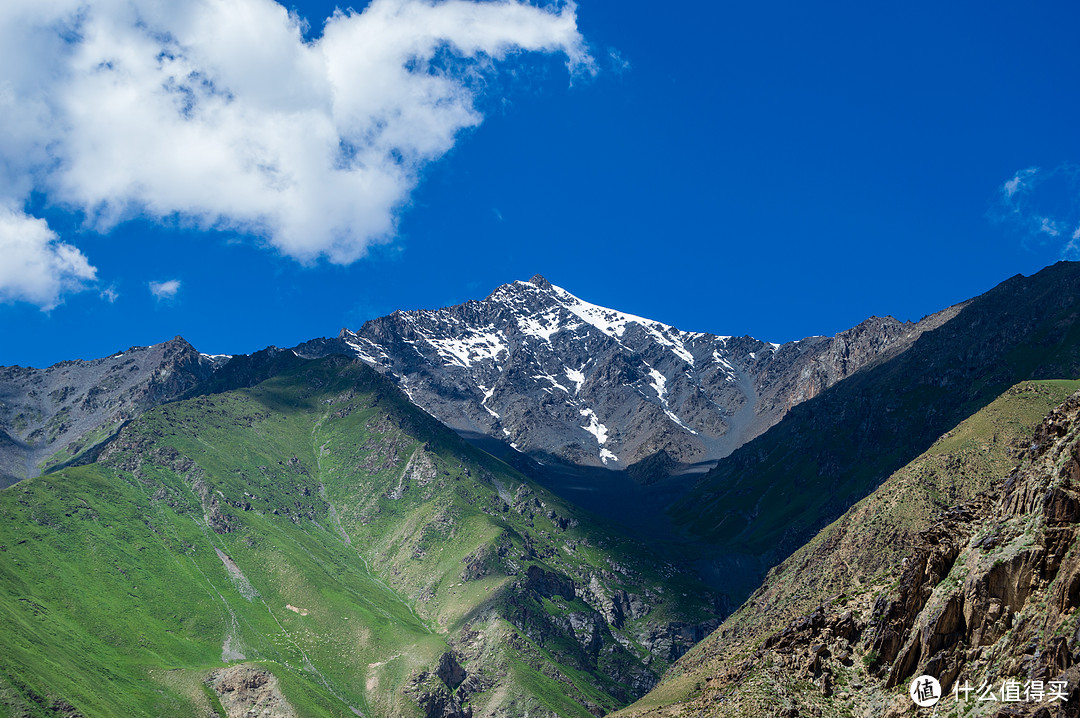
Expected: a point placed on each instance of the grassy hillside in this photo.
(849, 563)
(321, 530)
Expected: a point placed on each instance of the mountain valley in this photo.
(322, 531)
(533, 505)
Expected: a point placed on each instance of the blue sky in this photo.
(776, 169)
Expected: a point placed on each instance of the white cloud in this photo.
(166, 289)
(1018, 181)
(218, 113)
(1047, 226)
(1040, 206)
(35, 266)
(618, 62)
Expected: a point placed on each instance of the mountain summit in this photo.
(538, 280)
(565, 380)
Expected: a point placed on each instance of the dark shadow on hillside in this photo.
(773, 494)
(16, 453)
(615, 495)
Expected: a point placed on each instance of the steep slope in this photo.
(986, 603)
(991, 594)
(316, 545)
(774, 493)
(568, 381)
(48, 416)
(853, 560)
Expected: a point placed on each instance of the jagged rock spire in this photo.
(539, 281)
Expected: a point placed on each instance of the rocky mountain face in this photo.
(992, 591)
(989, 596)
(567, 381)
(49, 416)
(245, 690)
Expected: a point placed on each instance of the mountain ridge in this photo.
(613, 389)
(52, 415)
(587, 385)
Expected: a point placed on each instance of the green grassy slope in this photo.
(858, 556)
(321, 527)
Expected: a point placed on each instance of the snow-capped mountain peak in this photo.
(562, 378)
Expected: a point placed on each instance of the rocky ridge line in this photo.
(49, 416)
(568, 381)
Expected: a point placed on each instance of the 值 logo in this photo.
(925, 691)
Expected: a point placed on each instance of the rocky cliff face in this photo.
(48, 416)
(991, 593)
(562, 379)
(796, 378)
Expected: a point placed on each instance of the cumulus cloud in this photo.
(166, 289)
(1043, 207)
(35, 266)
(218, 113)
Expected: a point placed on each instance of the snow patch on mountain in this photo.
(577, 377)
(488, 393)
(550, 378)
(674, 417)
(614, 323)
(594, 426)
(363, 348)
(659, 384)
(544, 326)
(474, 348)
